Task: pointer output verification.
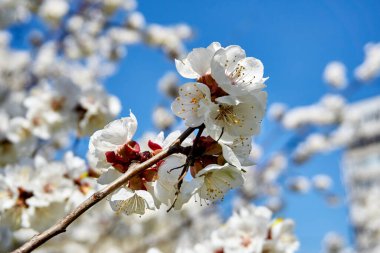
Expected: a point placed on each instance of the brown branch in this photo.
(62, 224)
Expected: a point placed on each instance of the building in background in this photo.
(361, 170)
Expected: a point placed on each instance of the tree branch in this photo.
(62, 224)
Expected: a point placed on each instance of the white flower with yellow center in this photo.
(227, 121)
(236, 74)
(217, 180)
(192, 104)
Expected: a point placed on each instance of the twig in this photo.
(187, 165)
(62, 224)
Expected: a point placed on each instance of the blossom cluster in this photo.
(35, 188)
(227, 96)
(103, 230)
(226, 104)
(250, 230)
(52, 96)
(54, 90)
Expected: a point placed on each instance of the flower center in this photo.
(215, 90)
(237, 72)
(227, 115)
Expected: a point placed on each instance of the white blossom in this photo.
(322, 182)
(335, 75)
(198, 61)
(282, 238)
(370, 68)
(237, 74)
(192, 103)
(299, 184)
(53, 10)
(226, 121)
(277, 111)
(217, 180)
(162, 118)
(111, 138)
(168, 85)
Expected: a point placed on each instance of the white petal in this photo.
(184, 69)
(130, 202)
(213, 47)
(200, 59)
(147, 197)
(187, 191)
(229, 100)
(230, 156)
(109, 176)
(114, 135)
(169, 170)
(122, 194)
(228, 58)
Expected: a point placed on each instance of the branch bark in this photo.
(61, 225)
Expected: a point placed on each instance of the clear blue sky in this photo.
(294, 39)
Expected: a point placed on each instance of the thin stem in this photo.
(62, 224)
(187, 165)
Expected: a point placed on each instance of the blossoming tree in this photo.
(158, 192)
(52, 94)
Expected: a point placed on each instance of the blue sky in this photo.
(295, 40)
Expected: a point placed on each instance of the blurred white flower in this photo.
(322, 182)
(169, 38)
(335, 75)
(335, 103)
(245, 231)
(162, 118)
(333, 243)
(168, 85)
(327, 111)
(95, 109)
(282, 238)
(154, 250)
(274, 204)
(299, 184)
(136, 20)
(277, 111)
(314, 143)
(53, 10)
(370, 68)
